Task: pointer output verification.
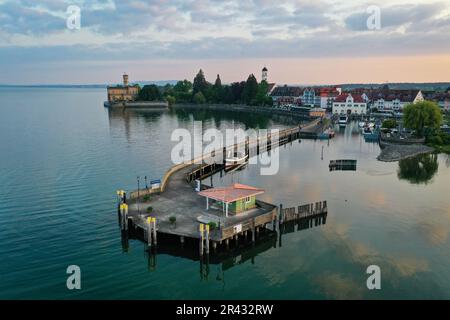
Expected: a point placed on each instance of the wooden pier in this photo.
(174, 208)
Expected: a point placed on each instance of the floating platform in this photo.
(342, 165)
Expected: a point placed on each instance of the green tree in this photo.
(150, 93)
(262, 98)
(389, 124)
(171, 100)
(250, 90)
(218, 92)
(200, 83)
(184, 86)
(422, 115)
(168, 90)
(199, 98)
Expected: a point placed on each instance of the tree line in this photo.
(200, 91)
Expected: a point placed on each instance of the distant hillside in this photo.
(432, 86)
(87, 86)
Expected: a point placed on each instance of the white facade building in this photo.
(348, 104)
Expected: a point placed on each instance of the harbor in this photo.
(177, 206)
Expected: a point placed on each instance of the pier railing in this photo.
(284, 136)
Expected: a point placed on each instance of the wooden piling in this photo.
(253, 231)
(207, 239)
(154, 231)
(201, 239)
(149, 232)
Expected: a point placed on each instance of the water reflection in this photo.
(418, 170)
(224, 257)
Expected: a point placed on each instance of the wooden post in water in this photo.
(207, 238)
(200, 244)
(125, 216)
(149, 231)
(253, 230)
(154, 231)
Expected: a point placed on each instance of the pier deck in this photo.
(181, 201)
(176, 197)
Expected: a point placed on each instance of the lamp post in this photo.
(146, 185)
(139, 208)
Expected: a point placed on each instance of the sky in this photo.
(299, 41)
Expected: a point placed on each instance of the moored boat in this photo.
(235, 159)
(343, 120)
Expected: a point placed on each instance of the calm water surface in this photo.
(63, 156)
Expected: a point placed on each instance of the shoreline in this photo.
(397, 152)
(241, 107)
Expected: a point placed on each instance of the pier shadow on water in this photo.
(225, 256)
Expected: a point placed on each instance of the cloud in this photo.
(401, 15)
(35, 32)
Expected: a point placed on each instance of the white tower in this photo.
(264, 74)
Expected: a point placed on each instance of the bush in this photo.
(171, 100)
(199, 98)
(389, 124)
(149, 209)
(146, 197)
(212, 225)
(172, 219)
(437, 140)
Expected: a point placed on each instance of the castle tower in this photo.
(125, 80)
(264, 74)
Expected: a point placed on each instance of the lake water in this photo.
(63, 156)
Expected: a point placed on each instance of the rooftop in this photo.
(231, 193)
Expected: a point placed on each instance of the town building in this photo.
(346, 103)
(384, 99)
(395, 100)
(441, 98)
(327, 97)
(283, 95)
(124, 92)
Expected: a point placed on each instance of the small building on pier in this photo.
(235, 199)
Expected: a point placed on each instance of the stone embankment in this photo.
(396, 152)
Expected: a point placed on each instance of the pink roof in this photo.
(231, 193)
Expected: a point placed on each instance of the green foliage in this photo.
(262, 99)
(150, 93)
(421, 115)
(201, 91)
(212, 225)
(184, 86)
(250, 90)
(389, 124)
(171, 100)
(199, 98)
(149, 209)
(146, 198)
(172, 219)
(200, 84)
